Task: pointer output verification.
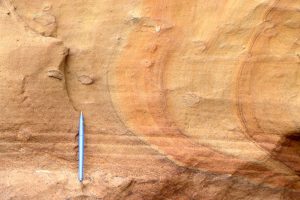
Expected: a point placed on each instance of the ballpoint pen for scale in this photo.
(81, 148)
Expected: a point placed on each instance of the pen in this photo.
(81, 148)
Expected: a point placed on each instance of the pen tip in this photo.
(81, 116)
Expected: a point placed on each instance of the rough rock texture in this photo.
(185, 100)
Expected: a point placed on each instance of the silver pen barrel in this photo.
(81, 148)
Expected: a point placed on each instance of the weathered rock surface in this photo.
(183, 100)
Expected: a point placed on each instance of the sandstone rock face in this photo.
(183, 100)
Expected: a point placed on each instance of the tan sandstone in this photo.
(183, 100)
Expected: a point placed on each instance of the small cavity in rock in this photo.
(44, 19)
(85, 80)
(191, 99)
(23, 136)
(146, 63)
(200, 45)
(54, 73)
(47, 7)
